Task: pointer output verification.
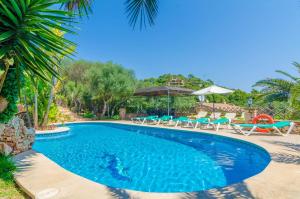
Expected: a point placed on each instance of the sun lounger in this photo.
(163, 119)
(179, 120)
(201, 114)
(230, 116)
(143, 119)
(215, 115)
(151, 118)
(218, 122)
(200, 121)
(276, 127)
(137, 119)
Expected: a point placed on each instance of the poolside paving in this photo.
(42, 178)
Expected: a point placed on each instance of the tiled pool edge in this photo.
(58, 130)
(285, 185)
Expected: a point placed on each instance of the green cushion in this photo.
(221, 121)
(181, 119)
(151, 117)
(281, 124)
(202, 120)
(165, 118)
(244, 125)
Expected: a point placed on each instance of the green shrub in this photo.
(88, 115)
(53, 113)
(7, 168)
(10, 91)
(116, 117)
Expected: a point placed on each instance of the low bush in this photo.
(7, 168)
(116, 117)
(89, 115)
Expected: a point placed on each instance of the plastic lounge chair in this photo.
(180, 120)
(187, 122)
(201, 114)
(218, 122)
(200, 121)
(276, 126)
(230, 116)
(138, 119)
(215, 115)
(164, 119)
(150, 118)
(242, 115)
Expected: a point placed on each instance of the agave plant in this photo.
(26, 36)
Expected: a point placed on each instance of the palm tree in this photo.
(58, 60)
(278, 89)
(26, 36)
(25, 31)
(140, 12)
(80, 6)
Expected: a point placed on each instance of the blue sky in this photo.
(233, 42)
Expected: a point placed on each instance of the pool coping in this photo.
(59, 129)
(40, 177)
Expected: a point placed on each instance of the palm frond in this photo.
(297, 65)
(287, 75)
(142, 12)
(26, 34)
(275, 89)
(82, 7)
(295, 95)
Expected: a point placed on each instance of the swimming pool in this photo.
(152, 159)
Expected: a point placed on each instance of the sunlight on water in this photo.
(152, 159)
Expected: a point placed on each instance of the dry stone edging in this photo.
(5, 149)
(15, 137)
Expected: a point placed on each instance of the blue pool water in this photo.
(152, 159)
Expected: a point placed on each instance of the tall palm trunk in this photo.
(116, 106)
(108, 110)
(104, 108)
(27, 112)
(50, 100)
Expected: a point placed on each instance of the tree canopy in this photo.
(97, 87)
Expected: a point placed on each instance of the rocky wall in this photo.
(15, 137)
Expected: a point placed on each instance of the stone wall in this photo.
(219, 107)
(15, 137)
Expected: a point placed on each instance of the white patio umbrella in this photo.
(212, 90)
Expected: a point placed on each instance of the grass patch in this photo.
(8, 188)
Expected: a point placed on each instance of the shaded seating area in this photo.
(213, 120)
(203, 119)
(166, 91)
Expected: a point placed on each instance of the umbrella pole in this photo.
(214, 107)
(168, 102)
